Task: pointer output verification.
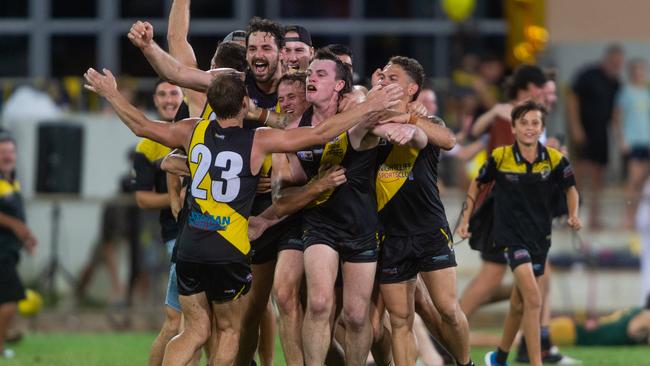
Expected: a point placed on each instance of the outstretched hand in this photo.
(141, 34)
(102, 84)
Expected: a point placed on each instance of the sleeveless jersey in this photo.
(309, 158)
(222, 189)
(349, 211)
(408, 200)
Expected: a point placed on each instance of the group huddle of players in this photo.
(325, 194)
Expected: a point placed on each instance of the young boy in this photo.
(526, 174)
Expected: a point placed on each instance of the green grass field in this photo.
(81, 349)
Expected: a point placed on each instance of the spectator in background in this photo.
(590, 104)
(632, 122)
(14, 235)
(429, 100)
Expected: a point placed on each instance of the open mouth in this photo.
(311, 89)
(260, 67)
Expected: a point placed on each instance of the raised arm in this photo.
(179, 48)
(166, 66)
(268, 140)
(169, 134)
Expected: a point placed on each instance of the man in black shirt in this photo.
(590, 105)
(14, 235)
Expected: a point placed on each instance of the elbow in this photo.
(140, 201)
(450, 142)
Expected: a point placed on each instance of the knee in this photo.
(516, 306)
(320, 306)
(201, 331)
(286, 297)
(401, 320)
(172, 323)
(533, 302)
(450, 312)
(355, 317)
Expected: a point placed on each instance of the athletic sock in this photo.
(502, 356)
(545, 336)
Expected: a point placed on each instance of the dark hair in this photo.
(524, 75)
(225, 95)
(339, 49)
(5, 136)
(342, 72)
(521, 109)
(230, 54)
(257, 24)
(550, 73)
(158, 82)
(412, 68)
(291, 77)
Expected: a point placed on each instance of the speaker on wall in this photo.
(59, 158)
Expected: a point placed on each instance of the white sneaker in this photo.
(8, 353)
(564, 359)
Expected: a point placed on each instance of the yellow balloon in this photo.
(458, 10)
(31, 304)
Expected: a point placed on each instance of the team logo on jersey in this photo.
(545, 173)
(305, 155)
(218, 136)
(208, 222)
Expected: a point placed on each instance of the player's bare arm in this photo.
(173, 135)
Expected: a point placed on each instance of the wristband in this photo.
(413, 119)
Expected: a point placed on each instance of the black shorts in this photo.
(595, 149)
(265, 248)
(403, 257)
(11, 288)
(220, 282)
(494, 254)
(518, 255)
(292, 238)
(638, 152)
(361, 250)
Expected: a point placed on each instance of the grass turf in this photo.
(124, 349)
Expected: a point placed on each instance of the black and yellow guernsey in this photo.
(149, 176)
(408, 200)
(222, 189)
(348, 212)
(11, 203)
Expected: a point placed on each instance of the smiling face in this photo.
(7, 158)
(167, 98)
(291, 97)
(528, 128)
(262, 55)
(321, 82)
(295, 54)
(550, 94)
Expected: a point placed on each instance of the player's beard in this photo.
(270, 71)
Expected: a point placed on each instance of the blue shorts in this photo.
(172, 285)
